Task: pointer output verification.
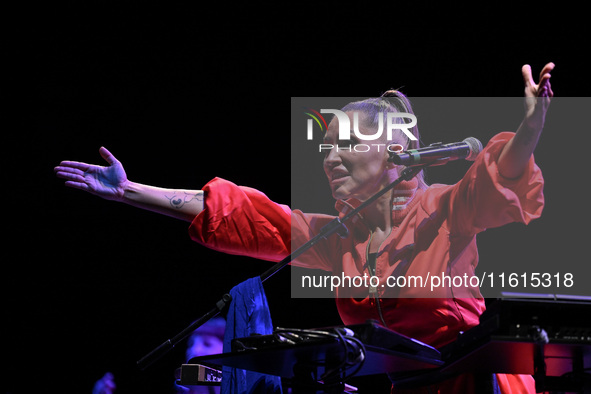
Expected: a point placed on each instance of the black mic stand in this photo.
(337, 224)
(334, 226)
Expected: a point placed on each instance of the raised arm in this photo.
(516, 154)
(111, 183)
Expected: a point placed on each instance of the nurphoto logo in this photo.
(393, 121)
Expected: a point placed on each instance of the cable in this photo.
(353, 351)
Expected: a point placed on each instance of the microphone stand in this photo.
(335, 226)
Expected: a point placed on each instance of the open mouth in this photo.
(338, 175)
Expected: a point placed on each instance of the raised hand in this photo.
(106, 182)
(515, 156)
(537, 95)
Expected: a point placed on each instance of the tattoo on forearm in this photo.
(179, 199)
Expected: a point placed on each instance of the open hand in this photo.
(537, 96)
(106, 182)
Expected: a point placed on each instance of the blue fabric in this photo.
(248, 314)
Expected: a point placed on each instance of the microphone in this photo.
(438, 153)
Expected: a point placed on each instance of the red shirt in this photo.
(434, 234)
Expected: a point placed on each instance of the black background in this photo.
(183, 94)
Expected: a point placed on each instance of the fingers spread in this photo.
(542, 89)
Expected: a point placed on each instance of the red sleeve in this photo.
(325, 253)
(240, 220)
(484, 199)
(243, 221)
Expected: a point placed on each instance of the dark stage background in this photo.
(181, 95)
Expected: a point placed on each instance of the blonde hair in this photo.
(390, 101)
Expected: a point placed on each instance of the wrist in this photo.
(535, 114)
(130, 192)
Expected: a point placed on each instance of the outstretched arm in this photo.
(111, 183)
(516, 154)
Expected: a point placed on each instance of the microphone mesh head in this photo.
(475, 148)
